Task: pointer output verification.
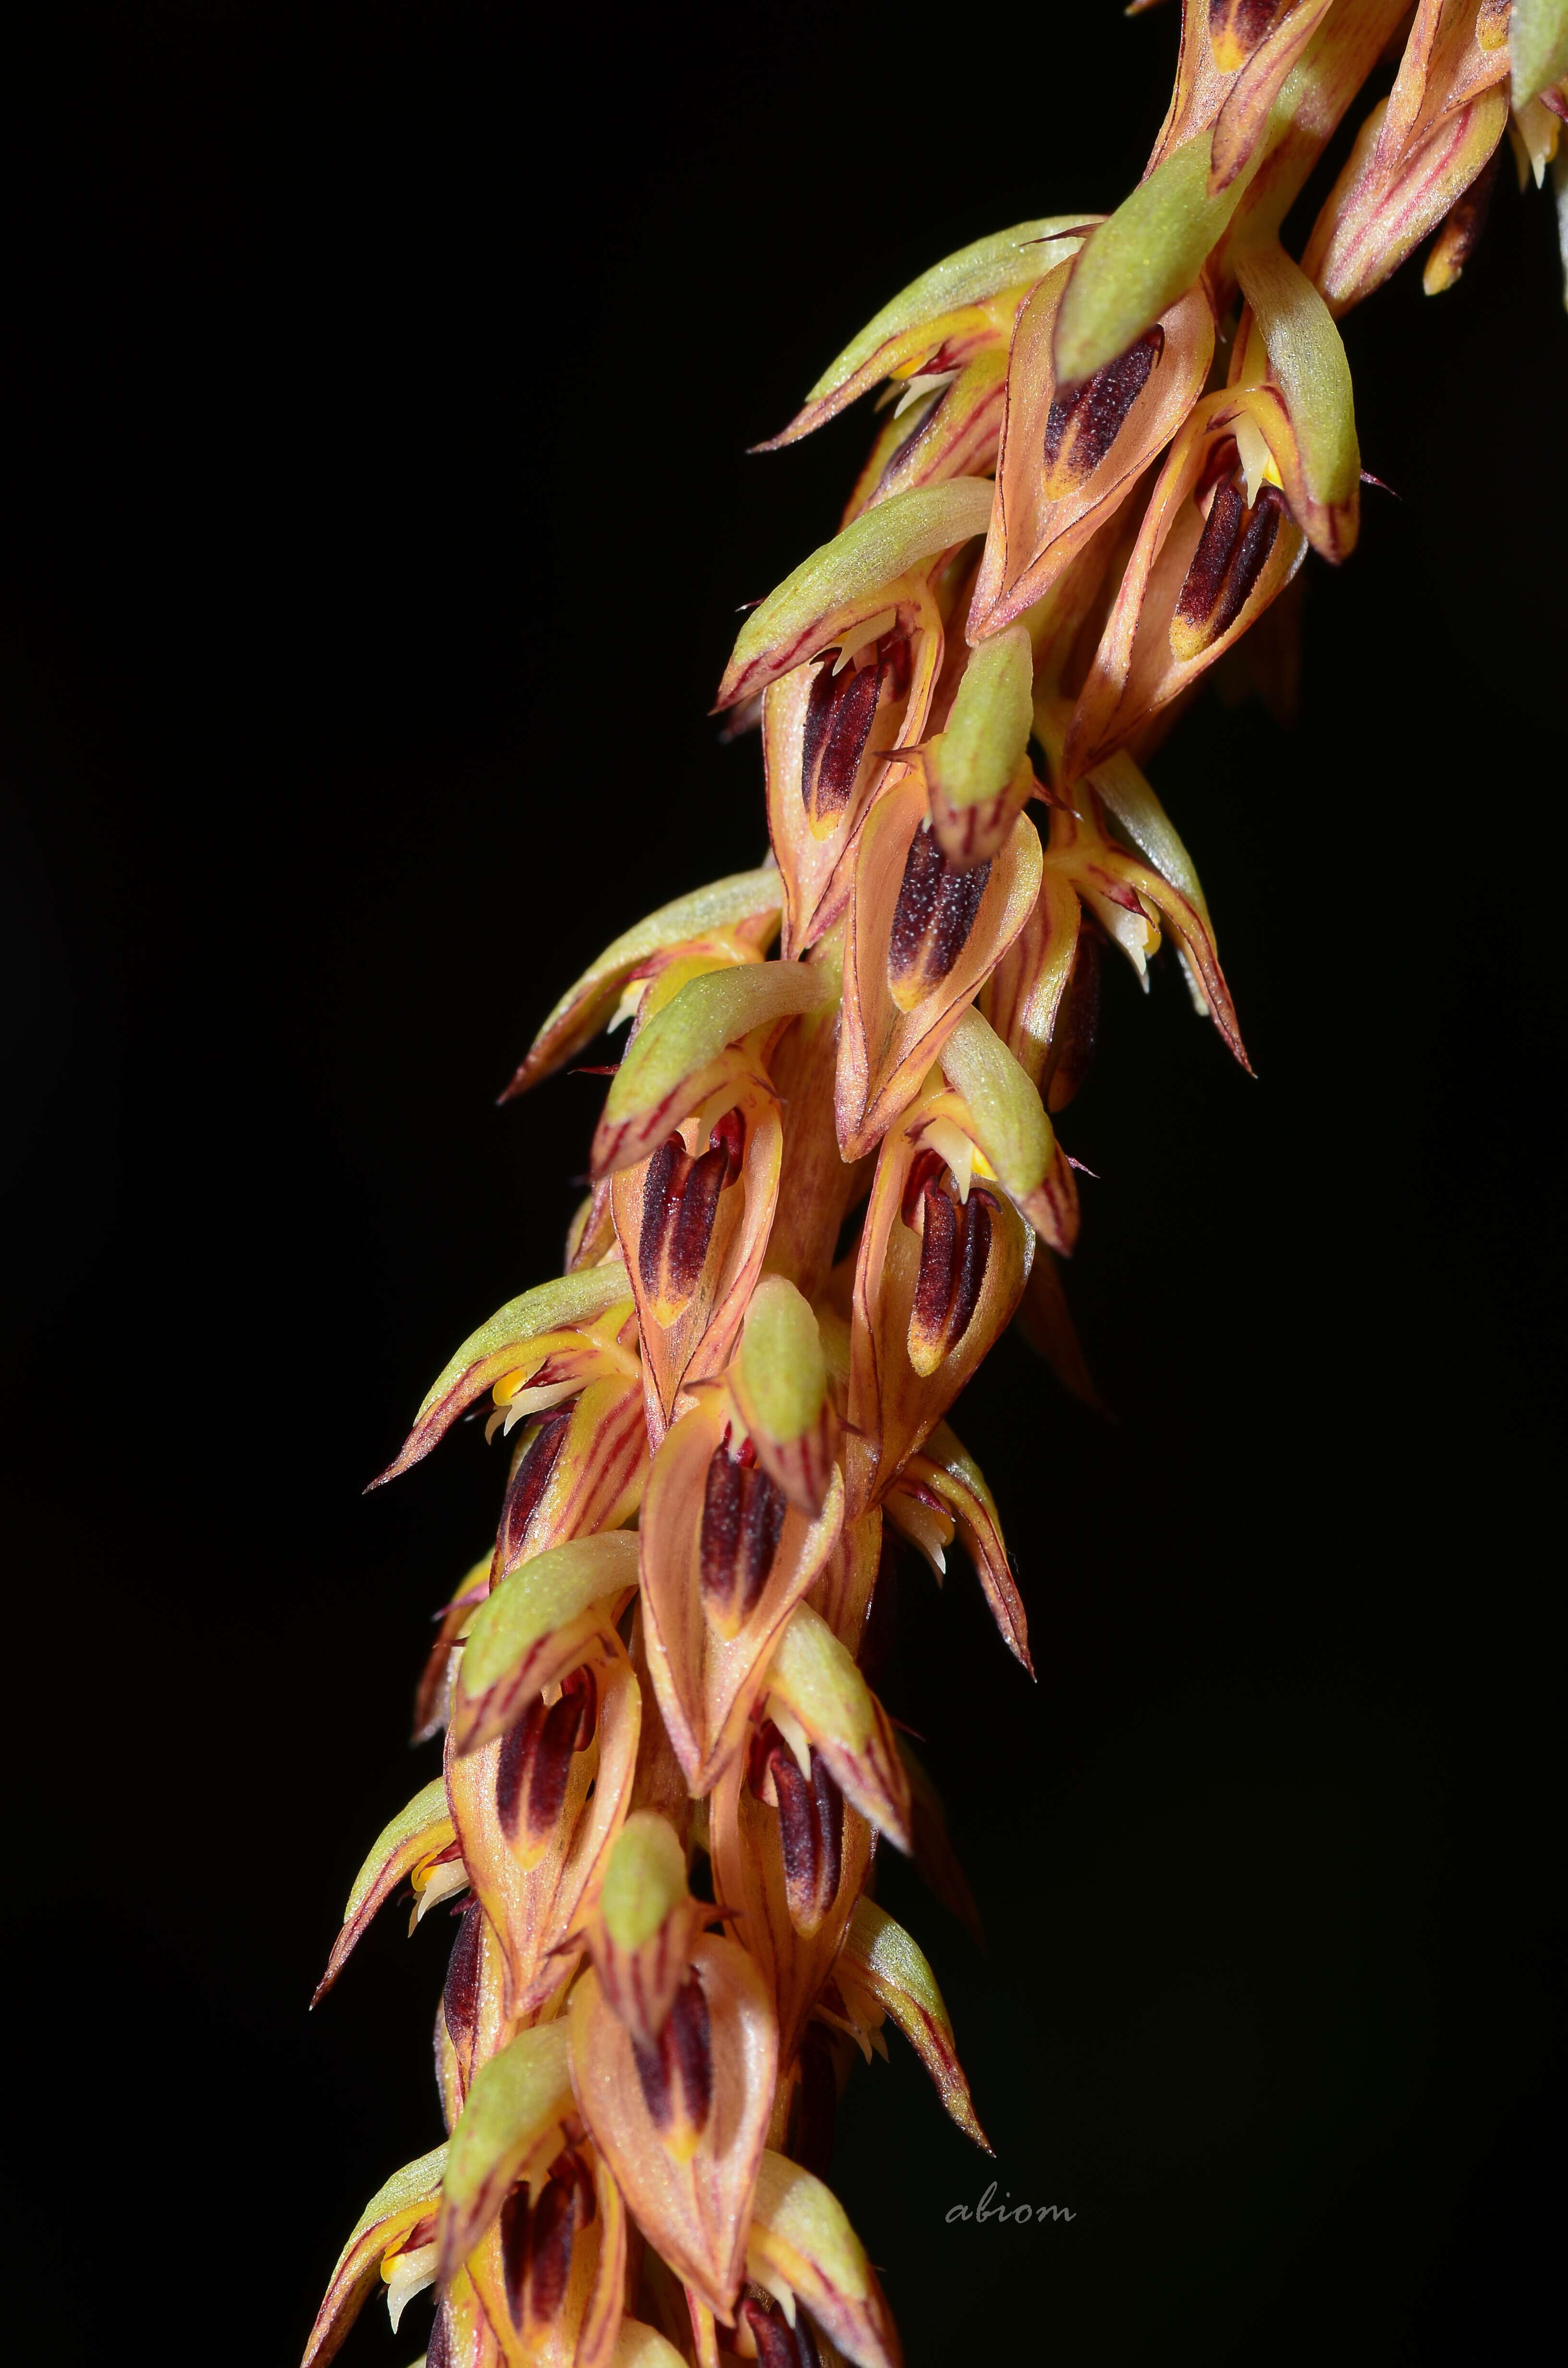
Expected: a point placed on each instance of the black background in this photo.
(373, 513)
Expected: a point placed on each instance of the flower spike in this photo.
(827, 1175)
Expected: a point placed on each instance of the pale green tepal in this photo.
(568, 1298)
(850, 573)
(513, 2101)
(988, 731)
(1137, 264)
(1307, 362)
(1010, 1123)
(645, 1881)
(696, 1025)
(543, 1595)
(746, 901)
(1008, 259)
(1537, 46)
(783, 1372)
(424, 1817)
(415, 2186)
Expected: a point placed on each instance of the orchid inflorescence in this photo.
(1108, 445)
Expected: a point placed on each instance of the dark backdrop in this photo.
(373, 514)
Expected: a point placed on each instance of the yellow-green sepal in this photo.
(669, 1068)
(816, 1696)
(1142, 260)
(1538, 47)
(535, 1628)
(947, 300)
(1314, 445)
(566, 1300)
(802, 2248)
(394, 2213)
(418, 1834)
(511, 2117)
(744, 908)
(881, 1959)
(780, 1379)
(845, 581)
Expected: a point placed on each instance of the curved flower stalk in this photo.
(1110, 444)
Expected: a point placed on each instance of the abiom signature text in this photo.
(1021, 2214)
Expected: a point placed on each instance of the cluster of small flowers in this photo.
(1112, 443)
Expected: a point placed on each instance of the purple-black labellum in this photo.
(743, 1517)
(535, 1759)
(680, 1202)
(541, 1445)
(536, 2244)
(955, 1243)
(676, 2070)
(1084, 421)
(1232, 552)
(932, 920)
(810, 1831)
(779, 2345)
(439, 2352)
(840, 712)
(459, 1993)
(1077, 1023)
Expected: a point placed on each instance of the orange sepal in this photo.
(542, 2319)
(816, 1185)
(1044, 516)
(892, 1405)
(590, 1475)
(698, 1339)
(922, 938)
(827, 735)
(1025, 995)
(704, 1681)
(1081, 853)
(534, 1907)
(952, 432)
(1136, 669)
(1374, 216)
(1242, 118)
(695, 2211)
(749, 1868)
(945, 1471)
